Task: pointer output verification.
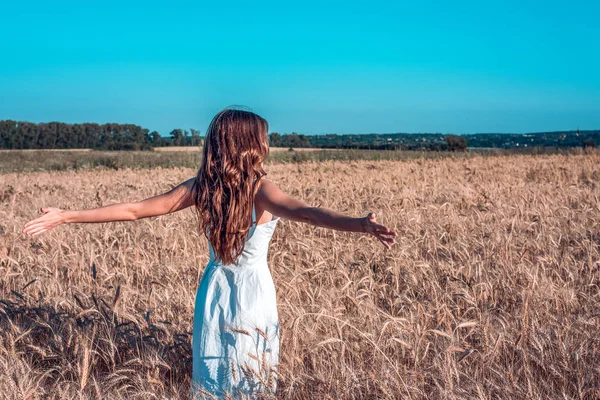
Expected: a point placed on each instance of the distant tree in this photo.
(275, 139)
(195, 140)
(156, 139)
(456, 143)
(295, 140)
(589, 144)
(177, 137)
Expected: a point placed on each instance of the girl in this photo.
(236, 330)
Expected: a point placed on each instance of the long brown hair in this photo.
(235, 147)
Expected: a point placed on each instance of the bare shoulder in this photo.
(275, 201)
(267, 191)
(267, 186)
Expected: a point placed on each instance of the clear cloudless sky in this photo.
(309, 67)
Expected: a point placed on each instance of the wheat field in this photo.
(492, 291)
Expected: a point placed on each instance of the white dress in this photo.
(235, 339)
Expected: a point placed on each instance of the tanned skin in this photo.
(269, 201)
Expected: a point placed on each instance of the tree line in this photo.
(111, 136)
(432, 142)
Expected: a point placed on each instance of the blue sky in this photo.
(309, 67)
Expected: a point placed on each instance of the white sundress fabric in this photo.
(235, 340)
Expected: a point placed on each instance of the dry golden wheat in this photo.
(491, 291)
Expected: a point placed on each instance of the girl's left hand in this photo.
(386, 236)
(52, 217)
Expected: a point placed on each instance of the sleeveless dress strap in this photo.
(254, 222)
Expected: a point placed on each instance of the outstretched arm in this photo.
(272, 199)
(176, 199)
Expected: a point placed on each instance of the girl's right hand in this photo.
(51, 218)
(385, 235)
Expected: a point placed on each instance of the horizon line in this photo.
(324, 134)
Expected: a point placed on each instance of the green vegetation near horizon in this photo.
(57, 135)
(18, 161)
